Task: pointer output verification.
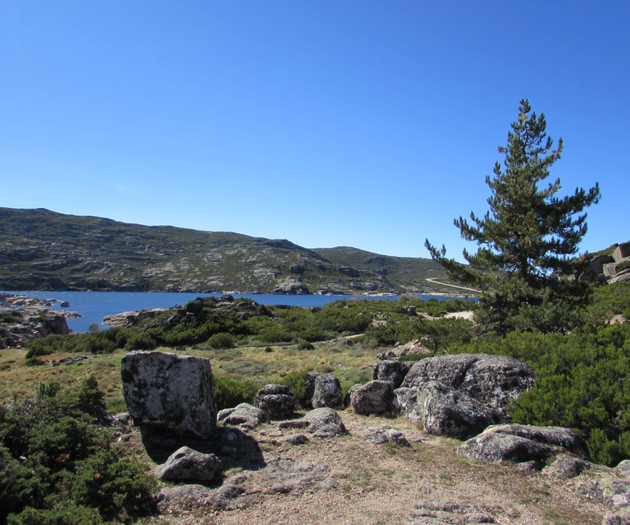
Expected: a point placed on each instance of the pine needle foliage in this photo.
(527, 239)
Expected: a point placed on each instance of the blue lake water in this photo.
(93, 306)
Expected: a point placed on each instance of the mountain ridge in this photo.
(43, 249)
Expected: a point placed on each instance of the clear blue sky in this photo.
(328, 123)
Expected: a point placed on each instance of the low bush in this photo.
(582, 382)
(221, 340)
(295, 381)
(53, 450)
(229, 393)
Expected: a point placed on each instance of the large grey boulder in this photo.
(523, 444)
(494, 380)
(186, 464)
(170, 392)
(392, 371)
(460, 395)
(445, 411)
(276, 400)
(374, 397)
(326, 391)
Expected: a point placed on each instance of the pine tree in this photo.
(528, 239)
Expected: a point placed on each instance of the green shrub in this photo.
(229, 393)
(66, 513)
(582, 382)
(305, 345)
(295, 381)
(52, 449)
(275, 334)
(114, 482)
(221, 340)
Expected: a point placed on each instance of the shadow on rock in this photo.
(234, 447)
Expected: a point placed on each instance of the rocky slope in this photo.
(40, 249)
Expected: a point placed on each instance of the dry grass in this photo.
(260, 364)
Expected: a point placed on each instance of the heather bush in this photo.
(53, 449)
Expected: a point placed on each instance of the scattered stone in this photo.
(224, 497)
(324, 422)
(374, 397)
(383, 434)
(618, 516)
(288, 475)
(295, 439)
(436, 512)
(186, 464)
(276, 400)
(183, 497)
(170, 391)
(244, 415)
(609, 490)
(69, 360)
(566, 466)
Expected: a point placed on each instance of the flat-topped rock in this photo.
(171, 392)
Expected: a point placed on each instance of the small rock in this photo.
(383, 434)
(618, 516)
(245, 415)
(324, 422)
(276, 400)
(186, 464)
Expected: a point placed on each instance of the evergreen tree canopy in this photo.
(527, 240)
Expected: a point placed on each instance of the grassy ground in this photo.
(350, 362)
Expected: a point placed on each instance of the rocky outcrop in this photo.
(170, 392)
(18, 326)
(276, 400)
(613, 267)
(525, 444)
(126, 319)
(189, 465)
(290, 286)
(460, 395)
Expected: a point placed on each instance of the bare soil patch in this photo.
(347, 480)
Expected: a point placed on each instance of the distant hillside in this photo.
(40, 249)
(403, 273)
